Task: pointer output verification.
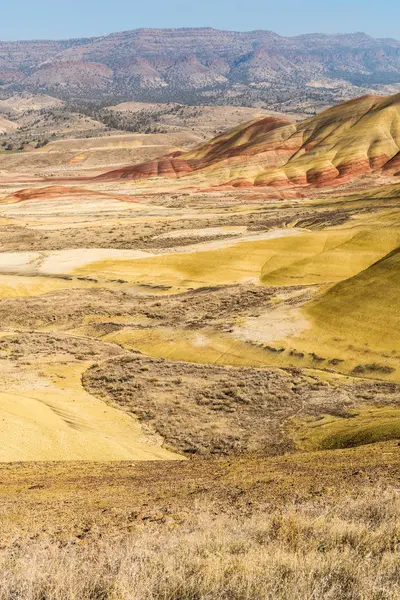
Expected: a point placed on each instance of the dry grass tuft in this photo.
(316, 550)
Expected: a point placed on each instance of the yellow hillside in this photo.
(364, 309)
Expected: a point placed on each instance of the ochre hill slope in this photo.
(345, 141)
(358, 304)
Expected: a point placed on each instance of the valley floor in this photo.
(199, 391)
(141, 325)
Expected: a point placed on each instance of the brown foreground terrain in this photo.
(200, 386)
(320, 525)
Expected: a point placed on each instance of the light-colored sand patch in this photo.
(65, 261)
(61, 262)
(52, 422)
(205, 232)
(272, 326)
(206, 347)
(274, 234)
(66, 206)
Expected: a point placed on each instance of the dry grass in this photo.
(312, 526)
(348, 550)
(69, 308)
(213, 409)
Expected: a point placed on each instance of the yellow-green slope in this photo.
(365, 309)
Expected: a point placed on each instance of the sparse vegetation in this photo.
(323, 526)
(347, 551)
(217, 410)
(373, 368)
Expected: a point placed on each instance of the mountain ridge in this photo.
(204, 63)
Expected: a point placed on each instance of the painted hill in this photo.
(350, 139)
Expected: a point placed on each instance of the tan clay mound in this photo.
(53, 192)
(7, 126)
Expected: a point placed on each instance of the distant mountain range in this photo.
(202, 66)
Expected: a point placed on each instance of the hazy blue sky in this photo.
(32, 19)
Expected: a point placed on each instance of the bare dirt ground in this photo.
(80, 502)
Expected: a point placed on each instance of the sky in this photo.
(61, 19)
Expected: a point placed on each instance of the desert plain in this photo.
(194, 334)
